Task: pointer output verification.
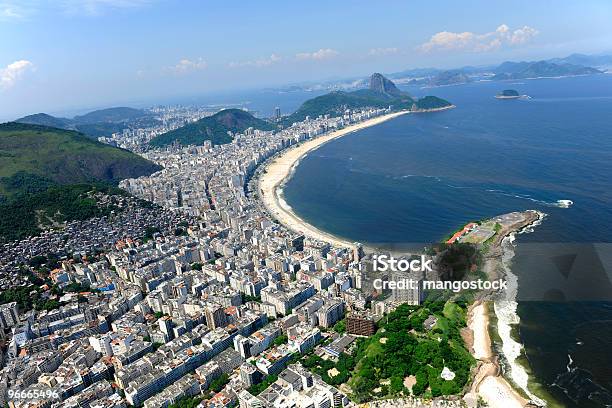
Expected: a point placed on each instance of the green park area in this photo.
(407, 356)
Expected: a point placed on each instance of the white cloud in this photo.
(258, 63)
(322, 54)
(377, 52)
(98, 7)
(15, 11)
(23, 9)
(473, 42)
(10, 12)
(523, 35)
(13, 72)
(185, 66)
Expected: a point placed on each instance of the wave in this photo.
(437, 178)
(507, 316)
(564, 203)
(281, 200)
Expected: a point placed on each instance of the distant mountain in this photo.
(103, 122)
(415, 73)
(539, 69)
(384, 86)
(114, 115)
(33, 153)
(585, 60)
(381, 93)
(47, 120)
(452, 77)
(214, 128)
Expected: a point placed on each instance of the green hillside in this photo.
(102, 122)
(335, 103)
(48, 175)
(118, 114)
(25, 213)
(30, 154)
(213, 128)
(44, 119)
(431, 102)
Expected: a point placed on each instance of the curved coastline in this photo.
(507, 317)
(280, 169)
(501, 380)
(490, 381)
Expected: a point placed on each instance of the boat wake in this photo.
(558, 203)
(562, 203)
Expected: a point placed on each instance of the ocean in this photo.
(414, 179)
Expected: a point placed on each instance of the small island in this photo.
(508, 94)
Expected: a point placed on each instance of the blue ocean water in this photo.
(416, 178)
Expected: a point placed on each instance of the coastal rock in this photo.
(380, 84)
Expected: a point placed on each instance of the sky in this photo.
(62, 55)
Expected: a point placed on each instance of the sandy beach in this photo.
(488, 383)
(279, 169)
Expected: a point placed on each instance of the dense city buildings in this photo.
(168, 118)
(213, 300)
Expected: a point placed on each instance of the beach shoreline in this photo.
(280, 168)
(490, 383)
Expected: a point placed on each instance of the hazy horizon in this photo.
(73, 56)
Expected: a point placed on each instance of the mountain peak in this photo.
(380, 84)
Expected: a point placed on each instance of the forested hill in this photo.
(34, 153)
(49, 176)
(214, 128)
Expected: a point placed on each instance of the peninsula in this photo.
(490, 382)
(380, 93)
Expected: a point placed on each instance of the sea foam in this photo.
(507, 316)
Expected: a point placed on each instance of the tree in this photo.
(340, 327)
(218, 384)
(397, 385)
(282, 339)
(186, 402)
(421, 383)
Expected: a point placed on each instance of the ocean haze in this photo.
(70, 54)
